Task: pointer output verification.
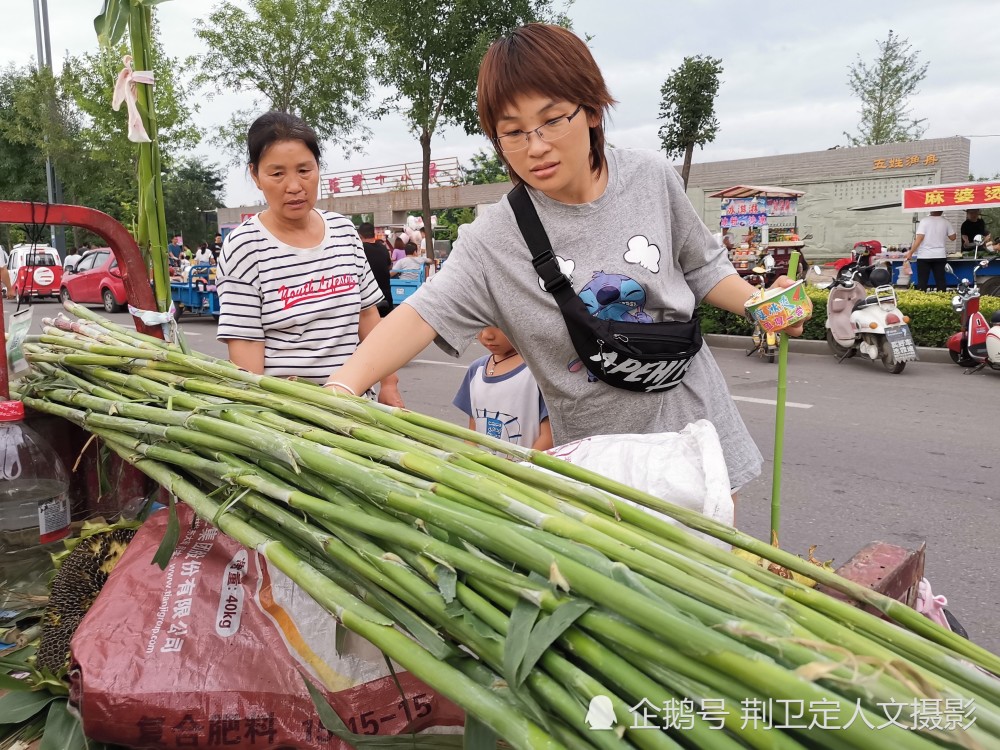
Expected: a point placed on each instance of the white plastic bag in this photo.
(686, 468)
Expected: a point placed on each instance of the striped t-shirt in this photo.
(304, 304)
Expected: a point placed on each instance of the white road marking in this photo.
(435, 362)
(771, 402)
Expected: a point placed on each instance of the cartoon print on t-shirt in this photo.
(613, 296)
(499, 425)
(642, 251)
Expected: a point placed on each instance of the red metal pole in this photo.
(134, 273)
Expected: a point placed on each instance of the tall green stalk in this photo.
(136, 16)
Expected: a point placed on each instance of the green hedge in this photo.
(932, 320)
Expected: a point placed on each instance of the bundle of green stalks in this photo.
(519, 594)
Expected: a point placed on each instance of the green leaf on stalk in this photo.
(526, 702)
(225, 507)
(17, 658)
(447, 581)
(339, 638)
(171, 536)
(481, 627)
(416, 626)
(522, 619)
(626, 576)
(147, 505)
(395, 677)
(63, 730)
(20, 706)
(327, 716)
(478, 736)
(547, 632)
(103, 461)
(13, 684)
(110, 25)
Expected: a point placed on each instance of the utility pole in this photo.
(44, 48)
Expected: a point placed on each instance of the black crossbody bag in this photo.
(644, 357)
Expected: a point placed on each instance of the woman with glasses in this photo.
(624, 233)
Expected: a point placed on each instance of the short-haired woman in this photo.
(626, 236)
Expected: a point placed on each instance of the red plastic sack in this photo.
(208, 653)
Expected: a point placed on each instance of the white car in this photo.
(42, 270)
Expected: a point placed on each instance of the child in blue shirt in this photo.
(501, 396)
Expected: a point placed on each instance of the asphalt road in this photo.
(906, 458)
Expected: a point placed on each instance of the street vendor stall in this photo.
(962, 196)
(761, 220)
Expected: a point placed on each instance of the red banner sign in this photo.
(963, 195)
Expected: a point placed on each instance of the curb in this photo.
(804, 346)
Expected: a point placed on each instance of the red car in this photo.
(97, 280)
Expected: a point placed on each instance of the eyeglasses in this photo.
(553, 130)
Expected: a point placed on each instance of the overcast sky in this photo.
(783, 88)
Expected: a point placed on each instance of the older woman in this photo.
(296, 292)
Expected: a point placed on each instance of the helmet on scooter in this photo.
(879, 276)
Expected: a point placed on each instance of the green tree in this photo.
(429, 55)
(43, 123)
(485, 169)
(191, 192)
(22, 161)
(22, 165)
(884, 87)
(688, 107)
(300, 56)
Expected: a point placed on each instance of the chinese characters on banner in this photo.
(442, 173)
(940, 197)
(753, 212)
(901, 162)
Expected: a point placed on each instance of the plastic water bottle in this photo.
(34, 508)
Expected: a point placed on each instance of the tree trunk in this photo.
(686, 169)
(425, 192)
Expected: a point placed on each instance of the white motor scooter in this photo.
(872, 325)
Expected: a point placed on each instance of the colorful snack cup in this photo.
(775, 309)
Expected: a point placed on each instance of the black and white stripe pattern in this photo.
(304, 304)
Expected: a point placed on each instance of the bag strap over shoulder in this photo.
(542, 257)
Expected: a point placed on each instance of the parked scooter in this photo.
(871, 325)
(977, 344)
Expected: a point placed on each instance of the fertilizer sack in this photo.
(211, 652)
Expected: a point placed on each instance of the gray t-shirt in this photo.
(638, 253)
